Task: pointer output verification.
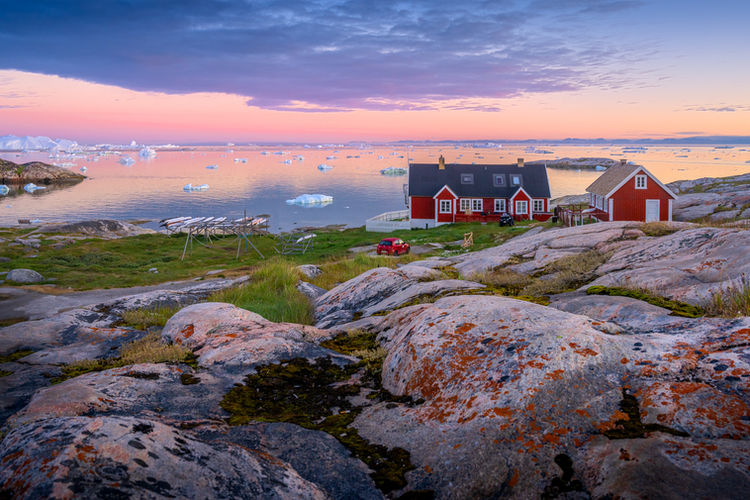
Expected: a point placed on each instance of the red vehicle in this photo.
(393, 246)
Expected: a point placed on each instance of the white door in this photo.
(652, 210)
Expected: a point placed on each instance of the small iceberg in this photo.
(240, 160)
(600, 168)
(300, 158)
(147, 153)
(394, 171)
(311, 199)
(330, 157)
(212, 167)
(31, 187)
(127, 161)
(4, 190)
(324, 168)
(84, 169)
(190, 187)
(286, 162)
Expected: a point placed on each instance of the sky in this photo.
(345, 70)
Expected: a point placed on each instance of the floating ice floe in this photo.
(147, 153)
(240, 160)
(31, 187)
(311, 199)
(212, 167)
(330, 157)
(84, 169)
(4, 190)
(394, 171)
(190, 187)
(324, 167)
(286, 162)
(600, 168)
(299, 158)
(127, 161)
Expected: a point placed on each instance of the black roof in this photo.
(426, 179)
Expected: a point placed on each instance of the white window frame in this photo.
(500, 205)
(477, 202)
(445, 207)
(640, 181)
(525, 205)
(465, 204)
(538, 205)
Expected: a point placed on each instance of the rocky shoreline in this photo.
(36, 172)
(421, 380)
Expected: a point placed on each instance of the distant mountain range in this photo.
(40, 143)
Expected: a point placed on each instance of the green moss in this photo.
(5, 373)
(11, 321)
(450, 272)
(303, 393)
(632, 427)
(15, 356)
(189, 379)
(677, 308)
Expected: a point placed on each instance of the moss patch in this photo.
(317, 396)
(15, 356)
(189, 379)
(5, 373)
(677, 308)
(632, 427)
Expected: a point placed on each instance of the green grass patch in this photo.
(141, 319)
(272, 293)
(677, 308)
(657, 228)
(336, 272)
(14, 356)
(5, 373)
(148, 349)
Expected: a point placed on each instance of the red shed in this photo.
(630, 192)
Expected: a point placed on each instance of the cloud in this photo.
(718, 109)
(332, 55)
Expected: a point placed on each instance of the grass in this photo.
(95, 263)
(141, 319)
(148, 349)
(272, 293)
(657, 228)
(339, 271)
(678, 308)
(731, 301)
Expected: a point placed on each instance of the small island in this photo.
(599, 164)
(37, 172)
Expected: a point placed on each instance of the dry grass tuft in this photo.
(141, 319)
(657, 228)
(732, 301)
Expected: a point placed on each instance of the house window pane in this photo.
(476, 205)
(515, 180)
(499, 205)
(522, 207)
(498, 180)
(465, 204)
(445, 206)
(467, 178)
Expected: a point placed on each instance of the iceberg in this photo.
(147, 153)
(4, 190)
(300, 158)
(84, 168)
(240, 160)
(31, 187)
(311, 199)
(330, 157)
(324, 168)
(395, 171)
(190, 187)
(127, 161)
(600, 168)
(212, 167)
(286, 162)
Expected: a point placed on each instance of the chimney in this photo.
(623, 161)
(520, 163)
(441, 163)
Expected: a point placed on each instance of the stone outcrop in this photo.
(24, 276)
(717, 199)
(36, 172)
(101, 228)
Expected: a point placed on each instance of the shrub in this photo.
(141, 319)
(657, 229)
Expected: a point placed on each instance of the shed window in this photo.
(640, 182)
(498, 180)
(499, 205)
(467, 178)
(515, 180)
(445, 206)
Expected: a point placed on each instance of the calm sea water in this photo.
(153, 188)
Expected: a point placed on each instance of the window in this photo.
(467, 178)
(598, 202)
(515, 180)
(465, 204)
(640, 182)
(476, 205)
(522, 207)
(593, 199)
(499, 205)
(498, 180)
(445, 206)
(538, 205)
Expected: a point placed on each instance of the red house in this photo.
(630, 192)
(441, 193)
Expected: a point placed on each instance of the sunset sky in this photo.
(330, 70)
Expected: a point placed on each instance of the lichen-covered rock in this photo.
(119, 457)
(364, 291)
(311, 291)
(687, 265)
(310, 271)
(190, 325)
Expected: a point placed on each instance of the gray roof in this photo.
(426, 179)
(611, 178)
